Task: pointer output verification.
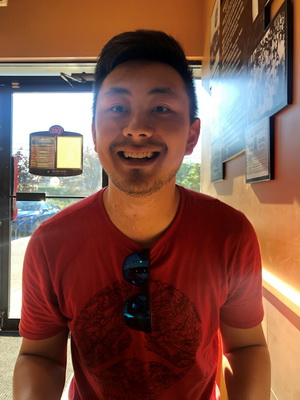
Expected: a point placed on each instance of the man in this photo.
(144, 273)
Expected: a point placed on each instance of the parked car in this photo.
(30, 215)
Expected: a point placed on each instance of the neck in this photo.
(142, 219)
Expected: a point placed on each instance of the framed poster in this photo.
(215, 38)
(269, 67)
(250, 76)
(259, 151)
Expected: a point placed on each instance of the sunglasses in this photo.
(136, 310)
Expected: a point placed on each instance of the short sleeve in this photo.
(243, 307)
(40, 315)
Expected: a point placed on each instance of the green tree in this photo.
(189, 175)
(26, 181)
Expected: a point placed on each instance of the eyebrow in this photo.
(159, 90)
(162, 90)
(117, 90)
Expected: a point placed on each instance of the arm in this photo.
(40, 369)
(247, 375)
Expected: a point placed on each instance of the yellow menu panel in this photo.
(69, 152)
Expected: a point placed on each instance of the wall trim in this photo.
(282, 308)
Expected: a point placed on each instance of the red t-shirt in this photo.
(205, 268)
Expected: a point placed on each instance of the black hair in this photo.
(146, 45)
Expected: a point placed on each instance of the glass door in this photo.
(37, 108)
(34, 112)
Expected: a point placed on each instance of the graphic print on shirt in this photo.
(111, 350)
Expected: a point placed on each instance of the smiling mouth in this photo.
(141, 156)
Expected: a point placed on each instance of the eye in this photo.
(162, 109)
(118, 109)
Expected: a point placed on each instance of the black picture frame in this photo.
(260, 151)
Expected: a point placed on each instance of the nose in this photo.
(137, 127)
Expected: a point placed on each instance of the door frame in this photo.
(8, 86)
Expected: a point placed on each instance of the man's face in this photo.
(142, 129)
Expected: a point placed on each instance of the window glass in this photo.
(189, 172)
(33, 112)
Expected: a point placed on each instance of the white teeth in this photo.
(145, 154)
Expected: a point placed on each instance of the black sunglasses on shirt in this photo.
(136, 309)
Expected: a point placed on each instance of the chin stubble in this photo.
(137, 186)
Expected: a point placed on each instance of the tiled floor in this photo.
(9, 348)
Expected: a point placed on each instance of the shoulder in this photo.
(79, 209)
(200, 203)
(72, 230)
(79, 220)
(206, 214)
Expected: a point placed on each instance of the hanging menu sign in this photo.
(42, 152)
(55, 152)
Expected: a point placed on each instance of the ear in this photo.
(194, 133)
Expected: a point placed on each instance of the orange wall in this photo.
(77, 28)
(273, 207)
